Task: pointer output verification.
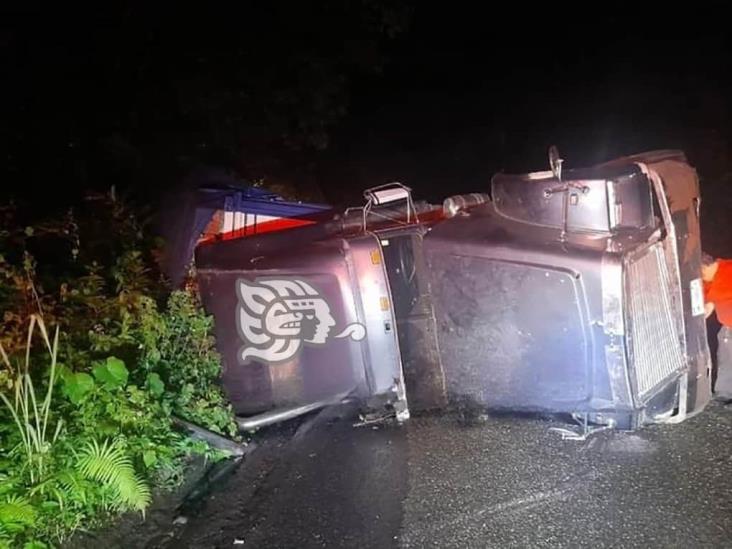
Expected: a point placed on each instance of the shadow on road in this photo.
(439, 481)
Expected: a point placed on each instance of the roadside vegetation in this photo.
(97, 357)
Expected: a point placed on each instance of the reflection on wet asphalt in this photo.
(505, 482)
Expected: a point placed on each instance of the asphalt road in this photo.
(502, 482)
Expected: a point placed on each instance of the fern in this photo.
(4, 538)
(110, 465)
(16, 513)
(74, 489)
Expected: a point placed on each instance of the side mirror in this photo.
(555, 162)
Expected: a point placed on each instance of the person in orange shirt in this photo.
(717, 278)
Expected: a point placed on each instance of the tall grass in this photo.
(31, 419)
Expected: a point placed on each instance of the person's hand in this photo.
(708, 309)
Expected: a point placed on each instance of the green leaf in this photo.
(63, 371)
(107, 428)
(154, 384)
(112, 373)
(35, 545)
(17, 512)
(77, 386)
(7, 484)
(150, 458)
(118, 369)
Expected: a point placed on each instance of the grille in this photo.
(655, 347)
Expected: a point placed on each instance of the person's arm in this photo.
(708, 309)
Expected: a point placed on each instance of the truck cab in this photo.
(574, 293)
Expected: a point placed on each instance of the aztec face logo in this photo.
(275, 317)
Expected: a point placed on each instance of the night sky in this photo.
(467, 95)
(331, 97)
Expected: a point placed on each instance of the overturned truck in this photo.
(574, 292)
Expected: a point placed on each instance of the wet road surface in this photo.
(502, 482)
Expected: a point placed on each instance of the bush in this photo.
(179, 354)
(86, 425)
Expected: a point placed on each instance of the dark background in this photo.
(327, 98)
